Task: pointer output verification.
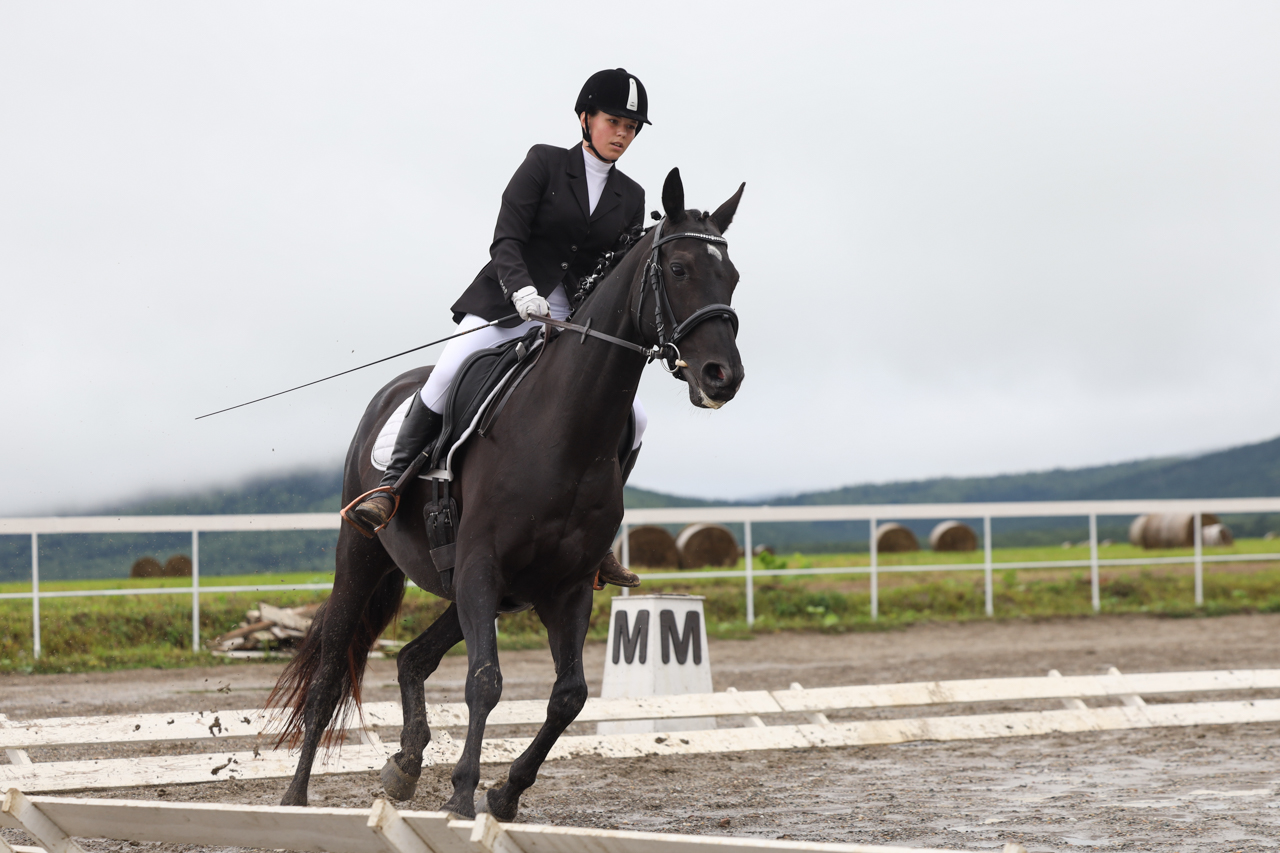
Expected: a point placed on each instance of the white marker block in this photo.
(657, 647)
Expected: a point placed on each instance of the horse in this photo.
(541, 500)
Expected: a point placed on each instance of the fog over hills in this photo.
(1247, 471)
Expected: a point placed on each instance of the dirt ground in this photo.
(1208, 788)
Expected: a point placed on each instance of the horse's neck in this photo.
(593, 383)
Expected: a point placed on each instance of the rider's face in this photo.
(610, 135)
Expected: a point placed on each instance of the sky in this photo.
(976, 238)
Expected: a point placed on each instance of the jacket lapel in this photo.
(610, 196)
(576, 171)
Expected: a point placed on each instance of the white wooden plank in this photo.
(1073, 704)
(443, 832)
(386, 823)
(37, 824)
(532, 838)
(205, 824)
(178, 769)
(1006, 689)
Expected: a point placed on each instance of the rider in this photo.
(560, 212)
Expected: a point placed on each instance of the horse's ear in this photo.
(673, 195)
(724, 213)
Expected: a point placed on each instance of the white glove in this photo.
(527, 301)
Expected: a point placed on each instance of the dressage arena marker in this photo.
(56, 822)
(749, 707)
(657, 647)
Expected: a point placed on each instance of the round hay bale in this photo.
(707, 545)
(953, 536)
(146, 567)
(1168, 530)
(893, 538)
(177, 566)
(651, 547)
(1217, 536)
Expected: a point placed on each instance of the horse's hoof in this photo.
(464, 808)
(398, 784)
(500, 806)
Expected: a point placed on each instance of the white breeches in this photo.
(456, 351)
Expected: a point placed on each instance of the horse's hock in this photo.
(651, 547)
(707, 545)
(953, 536)
(893, 538)
(1178, 530)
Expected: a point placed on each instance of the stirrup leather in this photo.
(394, 506)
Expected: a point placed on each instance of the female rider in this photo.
(562, 209)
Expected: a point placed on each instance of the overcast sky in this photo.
(976, 237)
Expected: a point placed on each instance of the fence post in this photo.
(35, 595)
(875, 579)
(1093, 562)
(626, 555)
(988, 592)
(751, 587)
(1199, 540)
(195, 590)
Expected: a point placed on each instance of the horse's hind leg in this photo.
(414, 665)
(566, 621)
(362, 582)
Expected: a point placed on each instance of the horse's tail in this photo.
(292, 690)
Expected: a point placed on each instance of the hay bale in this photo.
(707, 545)
(1168, 530)
(763, 549)
(146, 567)
(1217, 536)
(953, 536)
(651, 547)
(177, 566)
(893, 538)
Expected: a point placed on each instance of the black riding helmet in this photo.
(616, 92)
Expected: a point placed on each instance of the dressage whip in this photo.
(363, 366)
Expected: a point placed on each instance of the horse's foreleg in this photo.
(477, 608)
(566, 621)
(414, 665)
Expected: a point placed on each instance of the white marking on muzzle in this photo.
(708, 402)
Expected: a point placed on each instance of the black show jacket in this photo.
(544, 236)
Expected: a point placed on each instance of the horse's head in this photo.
(698, 279)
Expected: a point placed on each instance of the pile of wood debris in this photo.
(278, 630)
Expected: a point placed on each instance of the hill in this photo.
(1247, 471)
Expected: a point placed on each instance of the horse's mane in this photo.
(607, 263)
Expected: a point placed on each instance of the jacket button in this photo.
(573, 248)
(564, 265)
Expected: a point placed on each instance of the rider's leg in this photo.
(423, 420)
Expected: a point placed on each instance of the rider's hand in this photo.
(527, 301)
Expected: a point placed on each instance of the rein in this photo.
(662, 311)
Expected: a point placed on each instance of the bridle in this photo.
(665, 347)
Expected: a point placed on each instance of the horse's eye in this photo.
(677, 269)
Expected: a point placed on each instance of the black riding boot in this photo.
(611, 571)
(421, 427)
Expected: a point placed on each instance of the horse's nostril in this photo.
(714, 373)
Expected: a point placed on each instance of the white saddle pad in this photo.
(386, 442)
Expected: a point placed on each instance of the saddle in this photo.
(479, 391)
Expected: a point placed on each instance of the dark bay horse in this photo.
(542, 499)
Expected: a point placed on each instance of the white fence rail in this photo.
(748, 721)
(56, 822)
(873, 514)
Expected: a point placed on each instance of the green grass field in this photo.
(82, 634)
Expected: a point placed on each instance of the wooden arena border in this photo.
(747, 709)
(56, 822)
